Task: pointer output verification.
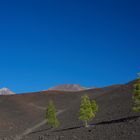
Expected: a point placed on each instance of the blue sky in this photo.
(52, 42)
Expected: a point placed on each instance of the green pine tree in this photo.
(95, 107)
(51, 116)
(136, 97)
(86, 113)
(138, 75)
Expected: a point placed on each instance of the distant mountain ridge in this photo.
(6, 91)
(68, 87)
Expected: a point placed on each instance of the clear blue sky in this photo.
(51, 42)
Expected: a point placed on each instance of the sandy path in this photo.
(38, 107)
(29, 130)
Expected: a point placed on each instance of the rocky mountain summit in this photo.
(68, 87)
(6, 91)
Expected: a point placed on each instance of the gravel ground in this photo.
(114, 121)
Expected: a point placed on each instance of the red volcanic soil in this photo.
(23, 115)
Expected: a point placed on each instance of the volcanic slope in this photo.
(115, 120)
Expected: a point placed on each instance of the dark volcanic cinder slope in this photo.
(19, 112)
(115, 121)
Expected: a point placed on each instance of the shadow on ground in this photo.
(121, 120)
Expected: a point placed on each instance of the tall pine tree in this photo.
(95, 107)
(136, 96)
(86, 113)
(51, 116)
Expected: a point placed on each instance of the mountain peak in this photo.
(6, 91)
(68, 87)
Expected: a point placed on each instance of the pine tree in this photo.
(51, 116)
(86, 113)
(136, 96)
(94, 106)
(138, 75)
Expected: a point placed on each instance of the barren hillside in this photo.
(22, 116)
